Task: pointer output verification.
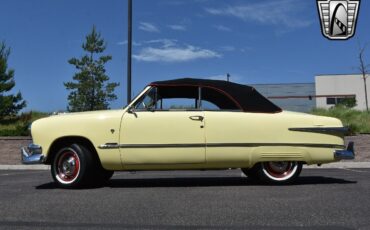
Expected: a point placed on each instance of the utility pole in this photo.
(129, 50)
(228, 77)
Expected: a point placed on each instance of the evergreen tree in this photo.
(90, 89)
(9, 104)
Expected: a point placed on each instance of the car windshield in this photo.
(148, 102)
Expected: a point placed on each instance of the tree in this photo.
(90, 89)
(10, 104)
(363, 68)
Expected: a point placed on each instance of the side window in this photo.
(172, 98)
(349, 100)
(178, 104)
(207, 105)
(215, 100)
(330, 101)
(177, 98)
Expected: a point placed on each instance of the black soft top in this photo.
(246, 97)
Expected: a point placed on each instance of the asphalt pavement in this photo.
(320, 199)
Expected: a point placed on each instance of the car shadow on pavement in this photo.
(203, 182)
(214, 182)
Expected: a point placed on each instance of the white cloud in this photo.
(121, 43)
(222, 28)
(278, 12)
(169, 51)
(165, 42)
(148, 27)
(177, 27)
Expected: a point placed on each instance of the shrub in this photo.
(348, 102)
(357, 121)
(18, 125)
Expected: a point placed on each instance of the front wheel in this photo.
(72, 166)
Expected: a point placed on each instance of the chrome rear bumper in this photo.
(347, 154)
(32, 155)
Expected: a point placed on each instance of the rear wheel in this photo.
(283, 172)
(280, 172)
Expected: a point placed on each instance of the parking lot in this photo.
(320, 199)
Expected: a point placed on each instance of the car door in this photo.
(227, 130)
(151, 135)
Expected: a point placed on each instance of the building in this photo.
(298, 97)
(327, 91)
(331, 89)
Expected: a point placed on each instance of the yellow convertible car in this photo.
(186, 124)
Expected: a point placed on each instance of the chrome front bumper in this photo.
(32, 155)
(347, 154)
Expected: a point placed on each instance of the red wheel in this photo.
(280, 171)
(73, 166)
(283, 172)
(68, 166)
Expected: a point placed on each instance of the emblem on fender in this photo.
(338, 18)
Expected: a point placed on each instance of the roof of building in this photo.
(246, 97)
(340, 74)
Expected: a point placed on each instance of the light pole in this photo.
(129, 50)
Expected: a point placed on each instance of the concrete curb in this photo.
(340, 165)
(24, 167)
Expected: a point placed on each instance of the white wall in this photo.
(341, 84)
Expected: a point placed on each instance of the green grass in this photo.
(357, 121)
(18, 126)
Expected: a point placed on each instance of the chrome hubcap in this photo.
(280, 170)
(68, 167)
(278, 167)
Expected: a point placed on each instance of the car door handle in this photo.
(197, 118)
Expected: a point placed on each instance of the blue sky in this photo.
(256, 41)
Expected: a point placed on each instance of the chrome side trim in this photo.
(109, 146)
(129, 146)
(343, 130)
(275, 144)
(215, 145)
(347, 154)
(32, 154)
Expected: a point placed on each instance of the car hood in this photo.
(88, 113)
(77, 119)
